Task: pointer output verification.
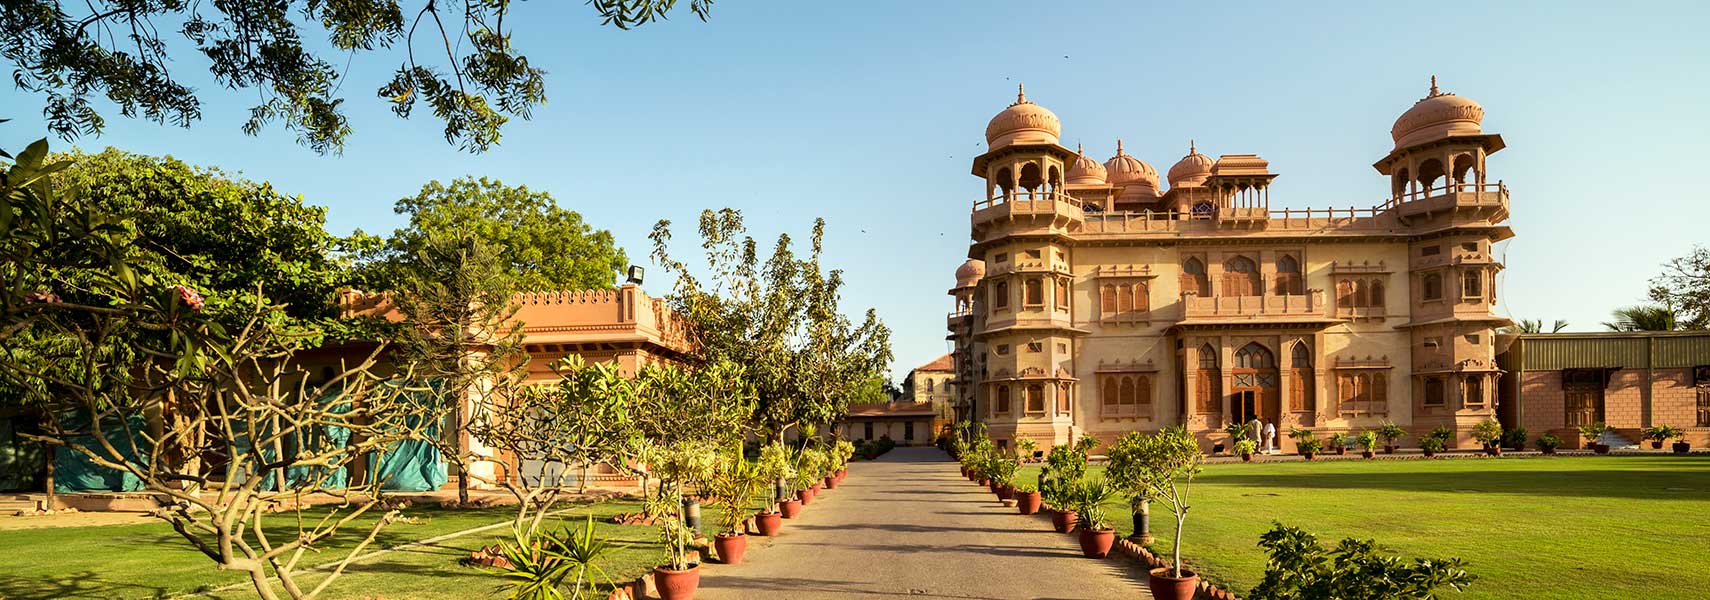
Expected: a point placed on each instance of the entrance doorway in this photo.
(1582, 394)
(1246, 406)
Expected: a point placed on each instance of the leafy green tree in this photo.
(542, 246)
(1643, 318)
(213, 232)
(1685, 284)
(457, 301)
(779, 318)
(1301, 569)
(467, 71)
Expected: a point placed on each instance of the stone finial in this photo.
(1020, 94)
(1190, 147)
(1119, 146)
(1434, 91)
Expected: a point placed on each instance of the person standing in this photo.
(1270, 437)
(1257, 431)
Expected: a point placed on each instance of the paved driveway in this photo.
(909, 525)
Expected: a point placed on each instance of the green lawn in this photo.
(152, 561)
(1591, 528)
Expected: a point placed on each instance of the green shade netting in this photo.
(19, 458)
(74, 472)
(412, 465)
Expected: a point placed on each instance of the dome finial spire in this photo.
(1078, 149)
(1119, 146)
(1021, 93)
(1190, 147)
(1434, 92)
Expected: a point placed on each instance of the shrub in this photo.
(1514, 437)
(1088, 503)
(1594, 431)
(1487, 432)
(1305, 441)
(1245, 447)
(1390, 432)
(1301, 569)
(1549, 441)
(1338, 440)
(1367, 440)
(1661, 432)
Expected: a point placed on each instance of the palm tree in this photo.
(1643, 318)
(1535, 326)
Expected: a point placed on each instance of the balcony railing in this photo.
(1310, 304)
(1027, 203)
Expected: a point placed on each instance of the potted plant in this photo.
(1368, 443)
(1339, 443)
(1024, 449)
(1174, 460)
(1593, 435)
(1390, 432)
(1658, 434)
(1681, 446)
(1245, 449)
(679, 577)
(1548, 443)
(1488, 432)
(1514, 438)
(1027, 498)
(1238, 432)
(1128, 470)
(1436, 441)
(735, 484)
(1067, 465)
(809, 464)
(1090, 518)
(1305, 442)
(775, 463)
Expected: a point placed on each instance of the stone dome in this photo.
(1437, 116)
(970, 273)
(1086, 171)
(1127, 170)
(1022, 123)
(1192, 169)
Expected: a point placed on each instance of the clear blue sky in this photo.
(868, 113)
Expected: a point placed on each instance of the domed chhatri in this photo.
(1134, 175)
(1192, 170)
(1086, 171)
(1023, 123)
(970, 273)
(1436, 116)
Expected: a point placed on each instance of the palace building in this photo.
(1103, 297)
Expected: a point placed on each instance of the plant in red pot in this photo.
(1548, 443)
(1027, 499)
(736, 483)
(1488, 433)
(679, 577)
(1173, 459)
(1593, 435)
(1680, 446)
(1127, 470)
(1306, 442)
(1390, 432)
(1245, 449)
(1091, 518)
(776, 466)
(1368, 444)
(1660, 433)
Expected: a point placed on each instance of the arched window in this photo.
(1360, 293)
(1431, 174)
(1035, 398)
(1375, 294)
(1054, 180)
(1207, 357)
(1112, 397)
(1127, 397)
(1240, 277)
(1475, 391)
(1254, 356)
(1432, 287)
(1472, 284)
(1064, 400)
(1380, 394)
(1005, 180)
(1193, 277)
(1063, 294)
(1465, 169)
(1433, 391)
(1344, 293)
(1107, 299)
(1000, 295)
(1125, 298)
(1300, 357)
(1398, 185)
(1034, 293)
(1207, 382)
(1288, 276)
(1030, 177)
(1002, 401)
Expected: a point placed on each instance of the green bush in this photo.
(1514, 437)
(1549, 441)
(1301, 569)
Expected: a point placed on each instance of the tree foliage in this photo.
(1301, 569)
(1643, 318)
(467, 71)
(542, 246)
(1685, 285)
(779, 318)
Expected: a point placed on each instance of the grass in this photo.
(153, 561)
(1559, 528)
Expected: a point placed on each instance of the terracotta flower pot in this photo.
(830, 482)
(677, 585)
(1368, 454)
(1247, 457)
(1389, 449)
(1548, 451)
(1096, 543)
(1061, 520)
(1027, 502)
(987, 483)
(964, 470)
(1308, 455)
(1165, 587)
(1656, 444)
(768, 524)
(1682, 447)
(1429, 453)
(1600, 448)
(807, 496)
(1341, 451)
(1005, 492)
(730, 548)
(790, 508)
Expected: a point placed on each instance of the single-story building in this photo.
(906, 423)
(1555, 382)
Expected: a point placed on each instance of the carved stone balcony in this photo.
(1491, 197)
(1053, 206)
(1291, 308)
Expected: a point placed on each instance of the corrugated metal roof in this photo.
(1630, 350)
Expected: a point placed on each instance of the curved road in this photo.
(909, 525)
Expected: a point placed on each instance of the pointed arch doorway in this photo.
(1254, 389)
